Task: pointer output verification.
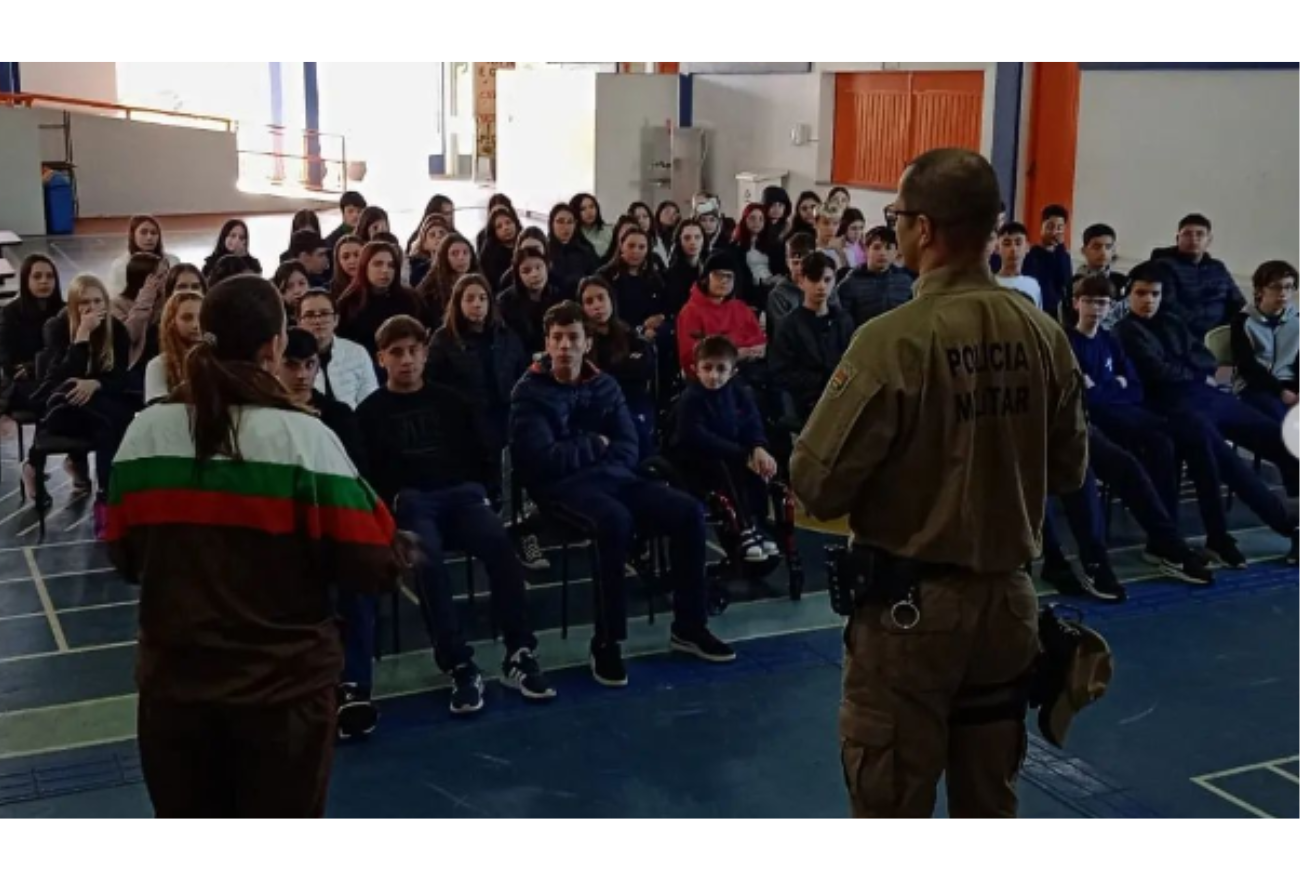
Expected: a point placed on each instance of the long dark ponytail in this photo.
(239, 316)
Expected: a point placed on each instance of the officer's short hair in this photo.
(716, 348)
(883, 234)
(958, 190)
(815, 266)
(1013, 229)
(1094, 287)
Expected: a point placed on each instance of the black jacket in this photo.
(21, 335)
(723, 424)
(523, 314)
(494, 261)
(571, 263)
(66, 361)
(1203, 293)
(362, 326)
(1168, 358)
(806, 352)
(340, 418)
(425, 441)
(485, 367)
(679, 279)
(636, 297)
(865, 294)
(634, 371)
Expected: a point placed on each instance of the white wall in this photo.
(625, 107)
(749, 119)
(22, 205)
(88, 80)
(126, 168)
(1157, 145)
(546, 136)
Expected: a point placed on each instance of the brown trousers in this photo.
(902, 689)
(219, 761)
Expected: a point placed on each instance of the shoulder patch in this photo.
(840, 382)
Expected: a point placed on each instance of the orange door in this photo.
(1053, 139)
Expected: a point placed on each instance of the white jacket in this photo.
(352, 375)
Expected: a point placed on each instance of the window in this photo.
(883, 120)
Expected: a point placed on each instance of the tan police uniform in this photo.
(947, 425)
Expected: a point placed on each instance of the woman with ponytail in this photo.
(235, 512)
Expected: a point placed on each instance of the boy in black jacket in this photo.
(811, 342)
(351, 204)
(877, 286)
(720, 444)
(426, 456)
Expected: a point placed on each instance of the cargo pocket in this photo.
(867, 756)
(929, 657)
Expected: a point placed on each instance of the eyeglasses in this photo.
(316, 315)
(892, 214)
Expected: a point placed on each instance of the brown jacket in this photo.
(949, 422)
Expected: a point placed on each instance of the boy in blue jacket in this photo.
(720, 442)
(574, 447)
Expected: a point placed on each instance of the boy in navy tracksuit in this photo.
(1178, 374)
(720, 445)
(575, 449)
(1049, 262)
(1114, 398)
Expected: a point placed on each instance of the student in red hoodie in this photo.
(712, 311)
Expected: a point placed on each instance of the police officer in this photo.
(948, 423)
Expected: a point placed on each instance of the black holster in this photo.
(862, 575)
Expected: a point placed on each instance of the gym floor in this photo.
(1201, 720)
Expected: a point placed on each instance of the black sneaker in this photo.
(466, 690)
(607, 665)
(1194, 567)
(703, 645)
(531, 555)
(1060, 576)
(357, 716)
(1225, 554)
(1100, 583)
(521, 672)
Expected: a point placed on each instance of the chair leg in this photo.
(656, 571)
(564, 589)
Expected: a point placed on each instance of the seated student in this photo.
(878, 286)
(1201, 289)
(304, 220)
(828, 241)
(995, 259)
(1013, 245)
(591, 223)
(617, 350)
(87, 386)
(805, 216)
(178, 332)
(455, 259)
(1178, 374)
(347, 372)
(498, 248)
(524, 305)
(308, 248)
(1048, 262)
(347, 256)
(645, 221)
(720, 445)
(444, 209)
(292, 282)
(754, 255)
(22, 339)
(852, 231)
(533, 239)
(351, 204)
(428, 457)
(421, 252)
(298, 370)
(718, 229)
(786, 296)
(184, 278)
(232, 240)
(230, 266)
(779, 211)
(575, 450)
(1150, 487)
(685, 263)
(572, 258)
(375, 295)
(1098, 257)
(838, 199)
(143, 235)
(499, 200)
(1265, 343)
(667, 215)
(713, 312)
(373, 221)
(138, 307)
(639, 294)
(808, 347)
(621, 225)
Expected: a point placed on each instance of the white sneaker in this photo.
(770, 549)
(751, 547)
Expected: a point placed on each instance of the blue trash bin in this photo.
(59, 210)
